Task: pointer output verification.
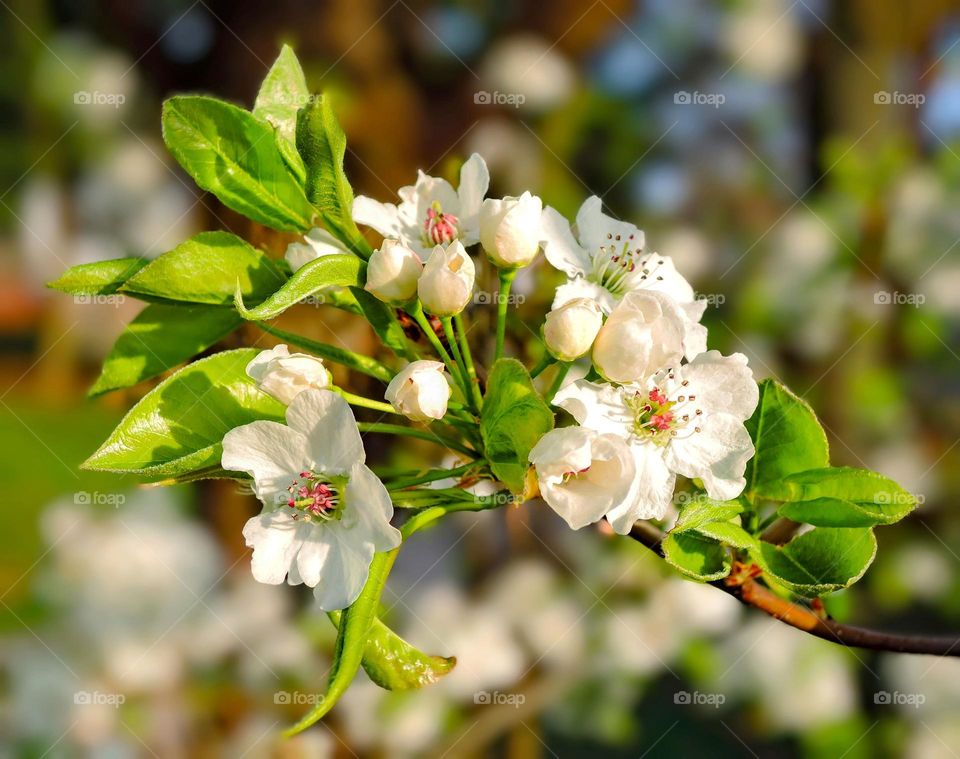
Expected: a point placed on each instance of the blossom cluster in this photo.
(655, 404)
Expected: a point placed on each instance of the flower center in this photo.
(620, 265)
(440, 228)
(316, 496)
(574, 474)
(657, 417)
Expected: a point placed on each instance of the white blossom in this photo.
(317, 243)
(283, 374)
(392, 272)
(324, 512)
(446, 284)
(569, 330)
(420, 391)
(510, 229)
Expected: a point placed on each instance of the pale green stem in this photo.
(562, 369)
(468, 361)
(503, 299)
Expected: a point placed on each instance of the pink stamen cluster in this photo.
(312, 495)
(440, 228)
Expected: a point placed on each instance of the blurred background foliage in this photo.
(815, 206)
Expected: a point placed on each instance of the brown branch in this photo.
(745, 589)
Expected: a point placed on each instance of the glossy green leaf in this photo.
(787, 436)
(513, 419)
(322, 145)
(383, 319)
(100, 278)
(696, 556)
(233, 154)
(160, 337)
(352, 634)
(177, 428)
(340, 269)
(728, 533)
(364, 364)
(699, 509)
(820, 561)
(283, 92)
(840, 497)
(394, 664)
(208, 268)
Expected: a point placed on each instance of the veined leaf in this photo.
(283, 92)
(177, 428)
(208, 268)
(700, 509)
(787, 436)
(233, 154)
(696, 556)
(352, 634)
(100, 278)
(160, 337)
(513, 419)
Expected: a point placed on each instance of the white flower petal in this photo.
(652, 489)
(580, 287)
(369, 503)
(312, 558)
(257, 367)
(717, 455)
(275, 538)
(383, 217)
(345, 570)
(598, 406)
(270, 452)
(474, 182)
(722, 384)
(595, 228)
(559, 246)
(333, 439)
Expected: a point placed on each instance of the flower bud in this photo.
(446, 284)
(510, 229)
(284, 375)
(420, 391)
(317, 243)
(392, 272)
(642, 335)
(569, 330)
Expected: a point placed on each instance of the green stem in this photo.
(542, 364)
(432, 476)
(468, 361)
(562, 369)
(416, 311)
(458, 357)
(357, 400)
(351, 360)
(433, 437)
(432, 513)
(503, 298)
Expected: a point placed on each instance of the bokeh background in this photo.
(800, 160)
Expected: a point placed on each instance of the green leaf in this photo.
(177, 428)
(394, 664)
(339, 269)
(383, 319)
(728, 533)
(100, 278)
(513, 419)
(840, 497)
(363, 364)
(698, 557)
(322, 145)
(355, 624)
(283, 92)
(207, 269)
(700, 509)
(160, 337)
(820, 561)
(233, 154)
(786, 434)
